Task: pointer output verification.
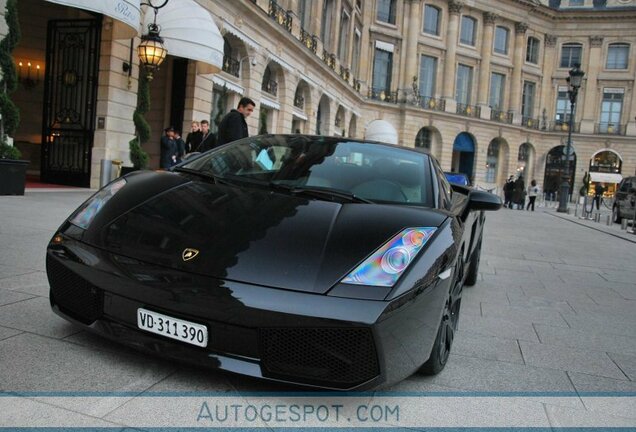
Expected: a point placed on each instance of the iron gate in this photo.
(70, 93)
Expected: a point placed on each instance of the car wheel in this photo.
(616, 216)
(473, 267)
(448, 325)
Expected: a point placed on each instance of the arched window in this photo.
(269, 83)
(424, 139)
(492, 159)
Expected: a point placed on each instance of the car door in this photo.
(622, 196)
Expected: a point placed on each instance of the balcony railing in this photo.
(280, 15)
(270, 87)
(431, 103)
(468, 110)
(299, 102)
(329, 59)
(383, 95)
(501, 116)
(530, 122)
(231, 66)
(345, 73)
(309, 40)
(560, 126)
(610, 128)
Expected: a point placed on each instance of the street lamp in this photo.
(151, 50)
(574, 80)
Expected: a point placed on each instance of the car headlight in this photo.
(387, 264)
(85, 215)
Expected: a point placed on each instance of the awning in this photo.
(381, 130)
(270, 103)
(464, 143)
(299, 115)
(605, 177)
(239, 34)
(227, 84)
(188, 31)
(125, 13)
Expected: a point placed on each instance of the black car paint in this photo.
(234, 298)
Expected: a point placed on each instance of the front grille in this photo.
(74, 295)
(333, 357)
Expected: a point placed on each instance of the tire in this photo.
(473, 267)
(448, 325)
(616, 216)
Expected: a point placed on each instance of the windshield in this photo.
(369, 171)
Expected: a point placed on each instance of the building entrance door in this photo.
(70, 92)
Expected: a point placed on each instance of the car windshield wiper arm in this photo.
(320, 192)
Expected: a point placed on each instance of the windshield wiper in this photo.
(204, 174)
(320, 192)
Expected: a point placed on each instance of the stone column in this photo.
(517, 67)
(455, 9)
(586, 104)
(547, 100)
(413, 20)
(484, 70)
(631, 120)
(336, 13)
(315, 17)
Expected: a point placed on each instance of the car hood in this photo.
(257, 236)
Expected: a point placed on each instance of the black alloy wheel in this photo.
(616, 216)
(448, 325)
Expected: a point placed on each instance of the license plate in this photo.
(174, 328)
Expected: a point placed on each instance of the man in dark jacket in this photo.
(233, 126)
(168, 149)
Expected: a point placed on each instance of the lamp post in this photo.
(151, 50)
(574, 80)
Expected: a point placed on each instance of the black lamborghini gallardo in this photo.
(326, 262)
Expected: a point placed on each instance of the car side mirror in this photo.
(481, 200)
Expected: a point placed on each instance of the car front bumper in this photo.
(283, 335)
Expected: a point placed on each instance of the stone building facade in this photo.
(481, 83)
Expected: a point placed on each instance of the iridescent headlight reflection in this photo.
(87, 213)
(387, 264)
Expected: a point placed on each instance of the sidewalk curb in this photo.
(590, 227)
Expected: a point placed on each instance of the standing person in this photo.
(533, 191)
(179, 146)
(508, 188)
(208, 139)
(168, 149)
(518, 194)
(233, 126)
(194, 138)
(598, 194)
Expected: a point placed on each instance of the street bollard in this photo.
(105, 173)
(609, 220)
(624, 224)
(576, 211)
(597, 217)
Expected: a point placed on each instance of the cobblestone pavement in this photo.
(553, 314)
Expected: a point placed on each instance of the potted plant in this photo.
(12, 169)
(138, 156)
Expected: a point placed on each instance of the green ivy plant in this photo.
(138, 156)
(8, 84)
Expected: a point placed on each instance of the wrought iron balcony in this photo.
(329, 59)
(299, 102)
(280, 15)
(501, 116)
(309, 40)
(530, 122)
(561, 126)
(468, 110)
(383, 95)
(345, 73)
(431, 103)
(231, 66)
(270, 87)
(610, 128)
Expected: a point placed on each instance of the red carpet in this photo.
(33, 182)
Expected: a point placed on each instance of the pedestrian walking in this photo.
(233, 126)
(194, 137)
(179, 146)
(508, 188)
(168, 147)
(599, 190)
(533, 192)
(518, 194)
